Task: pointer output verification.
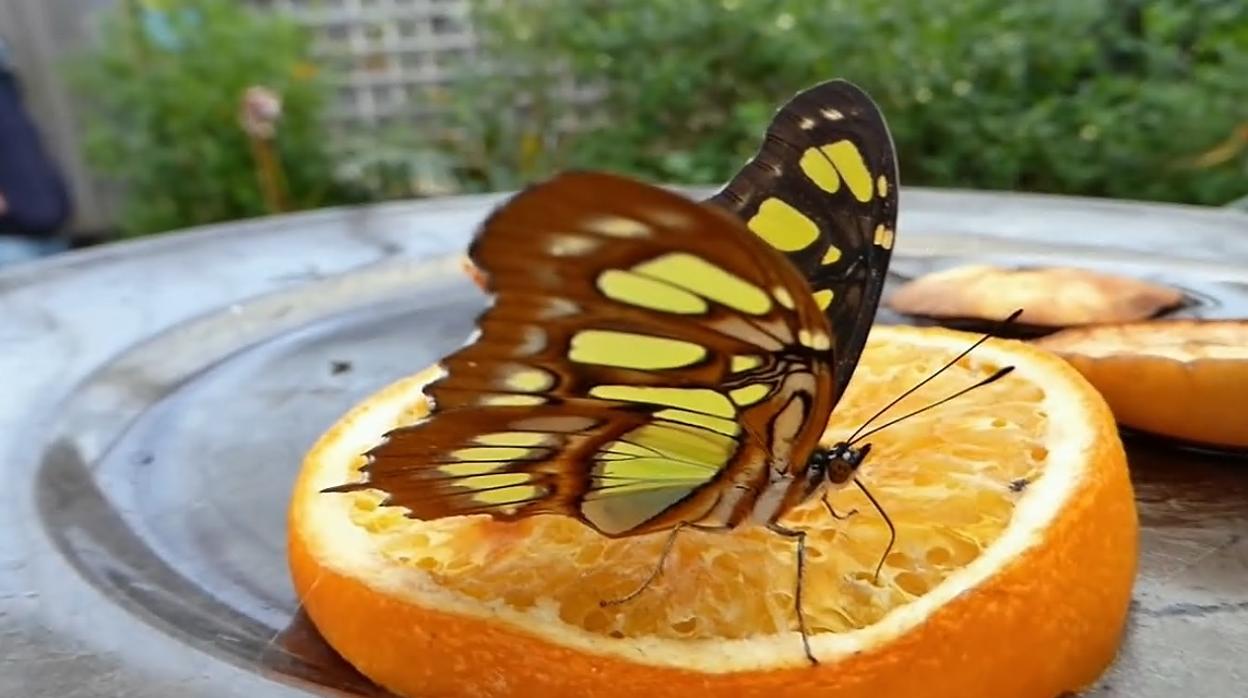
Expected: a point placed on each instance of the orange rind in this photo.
(1011, 576)
(1183, 379)
(1050, 297)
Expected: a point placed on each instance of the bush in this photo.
(1098, 98)
(163, 87)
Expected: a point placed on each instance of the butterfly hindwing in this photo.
(823, 190)
(645, 361)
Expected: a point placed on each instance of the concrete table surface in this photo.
(158, 395)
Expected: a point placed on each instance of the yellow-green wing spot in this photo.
(881, 184)
(650, 469)
(831, 256)
(708, 280)
(614, 513)
(512, 438)
(818, 167)
(482, 460)
(727, 427)
(849, 162)
(750, 394)
(470, 469)
(884, 237)
(630, 350)
(492, 453)
(702, 400)
(817, 340)
(646, 292)
(669, 451)
(500, 488)
(529, 380)
(783, 297)
(823, 298)
(830, 165)
(745, 362)
(782, 226)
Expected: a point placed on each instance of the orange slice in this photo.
(1186, 379)
(1011, 575)
(1049, 297)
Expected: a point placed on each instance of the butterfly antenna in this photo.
(998, 375)
(893, 403)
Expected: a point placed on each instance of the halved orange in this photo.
(1011, 576)
(1186, 379)
(1049, 296)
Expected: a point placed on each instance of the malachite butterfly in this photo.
(651, 363)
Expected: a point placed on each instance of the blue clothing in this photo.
(37, 201)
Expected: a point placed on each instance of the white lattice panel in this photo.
(388, 53)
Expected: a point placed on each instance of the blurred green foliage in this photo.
(1137, 99)
(164, 85)
(1107, 98)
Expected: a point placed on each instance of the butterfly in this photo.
(650, 363)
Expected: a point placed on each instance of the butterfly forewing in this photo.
(645, 362)
(823, 190)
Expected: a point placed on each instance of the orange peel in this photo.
(1184, 379)
(1011, 577)
(1049, 297)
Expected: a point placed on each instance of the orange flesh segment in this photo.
(948, 478)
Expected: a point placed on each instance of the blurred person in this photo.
(34, 200)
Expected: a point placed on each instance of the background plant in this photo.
(1107, 98)
(163, 86)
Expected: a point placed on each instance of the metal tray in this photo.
(158, 397)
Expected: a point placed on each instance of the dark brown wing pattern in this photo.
(823, 190)
(645, 360)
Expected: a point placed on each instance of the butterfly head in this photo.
(835, 466)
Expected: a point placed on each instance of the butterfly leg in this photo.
(892, 530)
(832, 512)
(658, 569)
(800, 536)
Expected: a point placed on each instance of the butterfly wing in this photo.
(645, 362)
(823, 190)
